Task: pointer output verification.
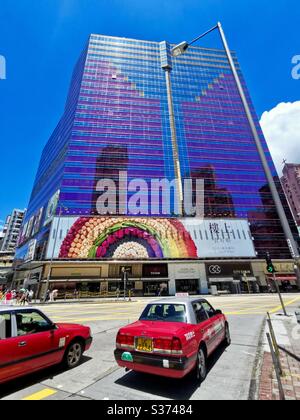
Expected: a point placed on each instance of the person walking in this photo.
(30, 296)
(24, 298)
(8, 298)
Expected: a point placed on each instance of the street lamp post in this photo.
(125, 277)
(180, 49)
(53, 251)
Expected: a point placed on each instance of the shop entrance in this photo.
(226, 286)
(156, 288)
(187, 286)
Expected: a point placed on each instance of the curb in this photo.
(258, 362)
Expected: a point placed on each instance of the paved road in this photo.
(231, 370)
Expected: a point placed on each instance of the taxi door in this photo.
(204, 328)
(217, 325)
(9, 366)
(38, 343)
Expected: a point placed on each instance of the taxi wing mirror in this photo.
(218, 312)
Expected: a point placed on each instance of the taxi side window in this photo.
(31, 323)
(200, 312)
(209, 309)
(5, 326)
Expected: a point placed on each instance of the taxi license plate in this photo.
(144, 344)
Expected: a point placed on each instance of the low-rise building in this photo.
(11, 231)
(6, 264)
(291, 185)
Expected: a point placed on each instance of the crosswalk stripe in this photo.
(41, 395)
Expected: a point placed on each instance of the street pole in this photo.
(125, 273)
(176, 159)
(279, 207)
(279, 294)
(180, 49)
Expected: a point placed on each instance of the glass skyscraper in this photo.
(117, 119)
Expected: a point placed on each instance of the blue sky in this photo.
(42, 39)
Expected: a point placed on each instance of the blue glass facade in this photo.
(117, 119)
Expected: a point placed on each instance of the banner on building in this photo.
(133, 238)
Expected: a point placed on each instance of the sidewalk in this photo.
(287, 332)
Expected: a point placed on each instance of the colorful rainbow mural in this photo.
(127, 238)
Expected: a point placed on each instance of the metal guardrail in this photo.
(277, 368)
(275, 344)
(275, 352)
(91, 295)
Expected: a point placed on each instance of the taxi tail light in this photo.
(176, 345)
(168, 345)
(163, 345)
(125, 340)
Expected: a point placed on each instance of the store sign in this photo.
(31, 228)
(186, 271)
(51, 208)
(155, 270)
(31, 251)
(230, 270)
(221, 238)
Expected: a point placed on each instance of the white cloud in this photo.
(281, 127)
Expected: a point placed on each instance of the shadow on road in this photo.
(20, 384)
(174, 389)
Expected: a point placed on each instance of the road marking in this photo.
(290, 302)
(41, 395)
(106, 318)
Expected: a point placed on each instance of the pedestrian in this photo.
(8, 298)
(54, 295)
(47, 296)
(14, 296)
(76, 294)
(24, 298)
(30, 296)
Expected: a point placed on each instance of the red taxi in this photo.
(29, 342)
(172, 338)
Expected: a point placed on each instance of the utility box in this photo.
(214, 290)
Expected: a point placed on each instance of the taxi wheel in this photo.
(201, 367)
(73, 355)
(227, 339)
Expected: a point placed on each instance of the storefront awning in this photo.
(283, 277)
(221, 279)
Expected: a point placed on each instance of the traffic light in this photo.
(270, 266)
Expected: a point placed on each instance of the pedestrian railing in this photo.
(275, 352)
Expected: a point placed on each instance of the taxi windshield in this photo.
(164, 312)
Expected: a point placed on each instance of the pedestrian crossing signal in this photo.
(270, 266)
